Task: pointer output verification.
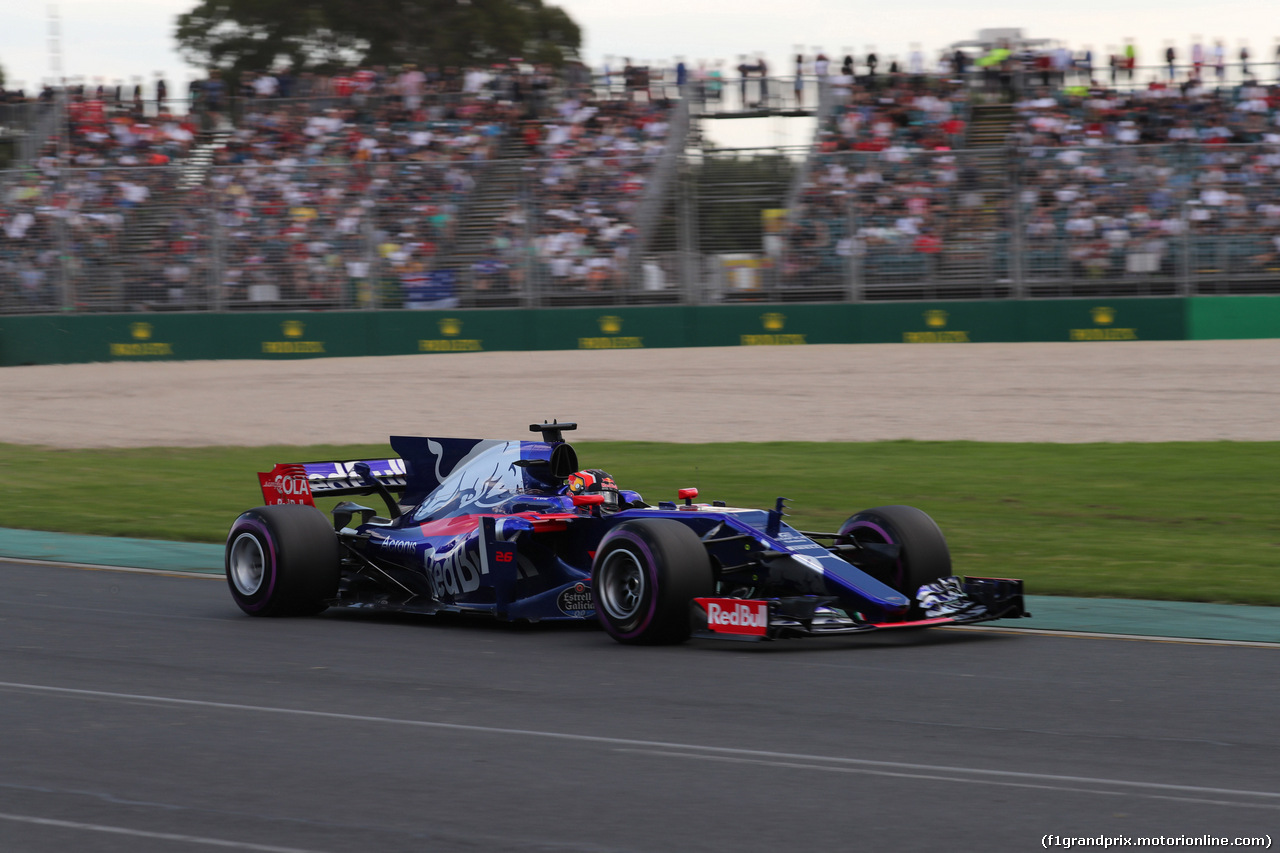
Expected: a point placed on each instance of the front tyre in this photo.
(645, 574)
(923, 555)
(282, 560)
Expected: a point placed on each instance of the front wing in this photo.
(951, 601)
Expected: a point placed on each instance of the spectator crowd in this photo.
(1082, 182)
(333, 191)
(350, 189)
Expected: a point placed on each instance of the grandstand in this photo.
(512, 186)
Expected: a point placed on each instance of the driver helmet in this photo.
(594, 481)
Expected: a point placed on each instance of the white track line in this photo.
(963, 775)
(140, 833)
(942, 776)
(96, 567)
(1101, 635)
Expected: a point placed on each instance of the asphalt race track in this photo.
(143, 712)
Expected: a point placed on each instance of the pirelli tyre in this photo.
(282, 561)
(923, 556)
(644, 576)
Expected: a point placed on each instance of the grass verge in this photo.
(1180, 521)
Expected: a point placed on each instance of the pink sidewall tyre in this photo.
(645, 576)
(282, 560)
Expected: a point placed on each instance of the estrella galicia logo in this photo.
(576, 600)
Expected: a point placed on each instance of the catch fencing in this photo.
(1048, 222)
(755, 226)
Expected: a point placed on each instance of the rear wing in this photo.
(301, 483)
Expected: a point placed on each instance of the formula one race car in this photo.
(516, 530)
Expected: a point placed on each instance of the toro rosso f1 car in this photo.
(514, 530)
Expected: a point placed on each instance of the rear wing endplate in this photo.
(301, 483)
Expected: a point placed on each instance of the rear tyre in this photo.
(644, 577)
(282, 561)
(923, 557)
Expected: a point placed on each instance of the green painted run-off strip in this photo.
(111, 551)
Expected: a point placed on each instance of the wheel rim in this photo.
(247, 564)
(621, 584)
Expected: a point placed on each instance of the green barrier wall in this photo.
(80, 338)
(1233, 317)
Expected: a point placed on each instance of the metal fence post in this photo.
(687, 248)
(66, 286)
(853, 262)
(1017, 240)
(217, 253)
(372, 273)
(533, 290)
(529, 234)
(1185, 286)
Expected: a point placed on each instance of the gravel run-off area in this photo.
(1048, 392)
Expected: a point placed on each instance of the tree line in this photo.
(325, 36)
